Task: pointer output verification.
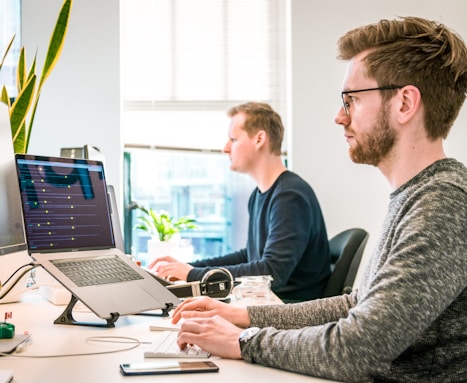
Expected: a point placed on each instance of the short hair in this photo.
(419, 52)
(260, 116)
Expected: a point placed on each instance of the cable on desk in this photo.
(5, 293)
(106, 339)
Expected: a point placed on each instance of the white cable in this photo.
(105, 339)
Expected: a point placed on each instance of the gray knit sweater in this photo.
(407, 321)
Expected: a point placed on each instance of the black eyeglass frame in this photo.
(387, 87)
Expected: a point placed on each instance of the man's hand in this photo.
(215, 335)
(205, 307)
(170, 268)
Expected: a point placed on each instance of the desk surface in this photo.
(36, 315)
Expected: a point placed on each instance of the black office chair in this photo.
(346, 249)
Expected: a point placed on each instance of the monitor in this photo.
(13, 248)
(12, 237)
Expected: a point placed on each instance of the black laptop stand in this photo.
(67, 316)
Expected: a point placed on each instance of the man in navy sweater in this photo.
(287, 236)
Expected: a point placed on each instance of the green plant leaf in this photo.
(5, 98)
(7, 50)
(56, 41)
(28, 94)
(162, 224)
(21, 70)
(18, 114)
(52, 56)
(20, 142)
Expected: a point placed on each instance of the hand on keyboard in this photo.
(165, 325)
(166, 347)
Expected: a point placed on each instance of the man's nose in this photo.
(341, 117)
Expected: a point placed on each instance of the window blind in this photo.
(185, 62)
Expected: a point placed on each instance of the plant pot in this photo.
(158, 249)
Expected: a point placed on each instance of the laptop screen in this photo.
(65, 203)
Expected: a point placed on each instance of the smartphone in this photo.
(167, 367)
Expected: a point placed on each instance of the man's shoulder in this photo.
(291, 180)
(446, 176)
(452, 172)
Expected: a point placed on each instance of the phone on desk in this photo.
(167, 367)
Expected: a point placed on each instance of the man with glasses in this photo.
(407, 321)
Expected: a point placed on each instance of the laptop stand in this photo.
(67, 317)
(164, 313)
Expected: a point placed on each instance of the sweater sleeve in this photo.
(419, 271)
(202, 266)
(298, 315)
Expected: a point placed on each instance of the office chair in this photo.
(346, 250)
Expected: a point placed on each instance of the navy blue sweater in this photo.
(287, 239)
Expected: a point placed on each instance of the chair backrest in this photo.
(346, 249)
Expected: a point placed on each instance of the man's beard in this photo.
(373, 147)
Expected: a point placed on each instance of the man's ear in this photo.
(261, 138)
(410, 103)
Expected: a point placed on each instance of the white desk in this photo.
(36, 315)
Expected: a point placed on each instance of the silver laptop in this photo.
(69, 232)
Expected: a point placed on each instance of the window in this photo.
(189, 183)
(184, 63)
(10, 25)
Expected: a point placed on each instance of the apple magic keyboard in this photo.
(167, 347)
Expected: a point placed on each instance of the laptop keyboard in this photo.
(168, 348)
(96, 271)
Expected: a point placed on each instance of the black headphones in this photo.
(216, 283)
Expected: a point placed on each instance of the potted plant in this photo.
(161, 225)
(28, 92)
(164, 230)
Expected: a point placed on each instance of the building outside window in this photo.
(10, 26)
(194, 184)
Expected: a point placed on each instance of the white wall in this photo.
(350, 194)
(80, 103)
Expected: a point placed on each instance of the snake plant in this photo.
(28, 84)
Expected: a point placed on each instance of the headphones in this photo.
(216, 283)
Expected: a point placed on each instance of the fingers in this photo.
(164, 269)
(195, 330)
(214, 334)
(188, 336)
(170, 269)
(165, 259)
(191, 308)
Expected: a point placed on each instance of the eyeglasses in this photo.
(347, 103)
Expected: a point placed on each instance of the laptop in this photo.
(117, 229)
(68, 223)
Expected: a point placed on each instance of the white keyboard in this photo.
(167, 347)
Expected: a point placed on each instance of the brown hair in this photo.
(260, 116)
(419, 52)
